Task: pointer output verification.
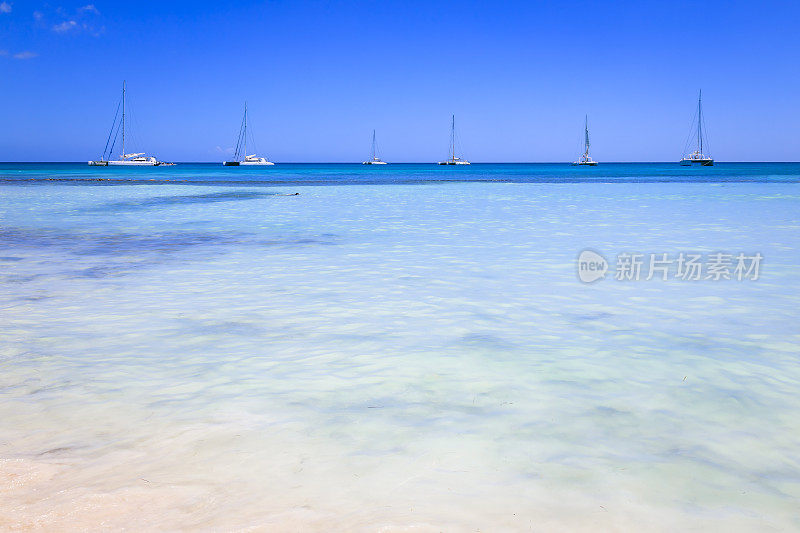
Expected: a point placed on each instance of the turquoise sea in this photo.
(346, 173)
(396, 348)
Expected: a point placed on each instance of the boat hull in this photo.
(454, 163)
(247, 163)
(589, 164)
(700, 162)
(132, 164)
(374, 163)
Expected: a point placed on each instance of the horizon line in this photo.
(433, 163)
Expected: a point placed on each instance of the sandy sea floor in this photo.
(395, 358)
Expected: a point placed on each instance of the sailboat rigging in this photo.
(453, 160)
(698, 156)
(585, 158)
(240, 156)
(374, 160)
(117, 128)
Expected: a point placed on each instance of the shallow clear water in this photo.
(369, 356)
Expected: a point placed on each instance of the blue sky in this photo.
(319, 76)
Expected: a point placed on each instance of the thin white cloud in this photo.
(86, 19)
(65, 26)
(25, 55)
(5, 7)
(3, 52)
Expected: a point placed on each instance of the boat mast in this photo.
(453, 139)
(245, 130)
(123, 119)
(373, 145)
(700, 121)
(586, 130)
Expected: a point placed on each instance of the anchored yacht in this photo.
(374, 160)
(698, 156)
(453, 160)
(240, 157)
(585, 159)
(133, 160)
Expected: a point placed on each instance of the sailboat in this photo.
(698, 157)
(453, 159)
(374, 160)
(133, 159)
(585, 158)
(240, 156)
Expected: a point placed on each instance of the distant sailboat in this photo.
(698, 157)
(375, 160)
(453, 159)
(585, 159)
(137, 159)
(240, 157)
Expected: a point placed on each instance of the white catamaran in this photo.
(374, 160)
(240, 157)
(453, 159)
(585, 158)
(134, 160)
(698, 157)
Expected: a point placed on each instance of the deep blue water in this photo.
(348, 173)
